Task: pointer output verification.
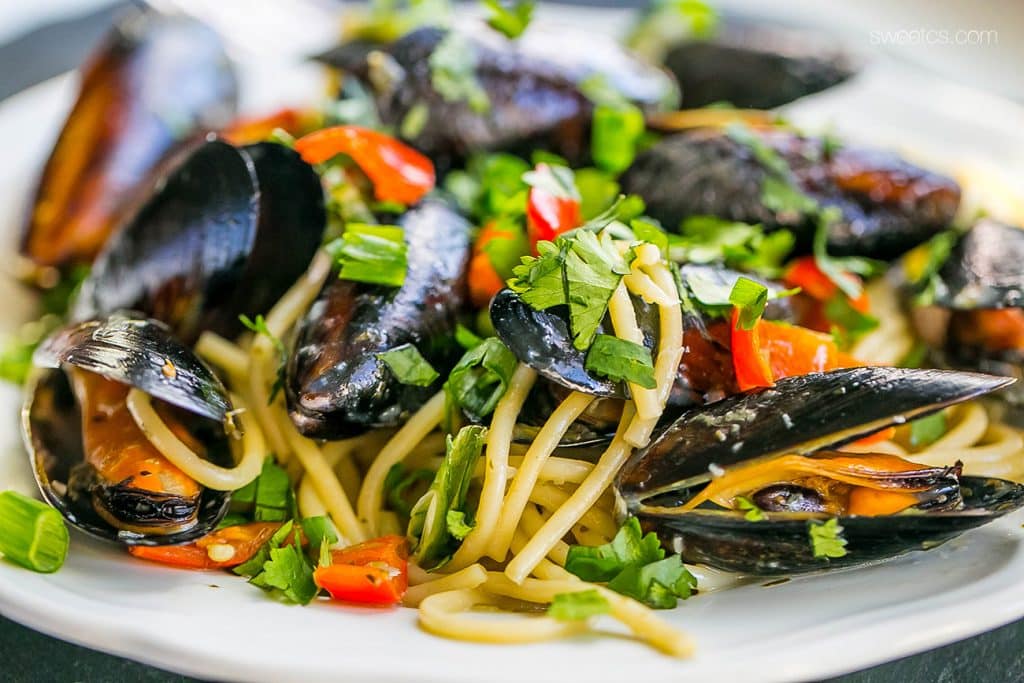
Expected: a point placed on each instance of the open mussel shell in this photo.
(141, 354)
(984, 269)
(782, 546)
(800, 415)
(226, 233)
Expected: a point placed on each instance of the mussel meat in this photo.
(336, 385)
(227, 232)
(776, 449)
(531, 88)
(975, 316)
(155, 84)
(887, 205)
(92, 460)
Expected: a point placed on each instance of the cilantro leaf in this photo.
(259, 326)
(480, 378)
(255, 564)
(268, 498)
(621, 360)
(927, 430)
(827, 538)
(491, 186)
(753, 513)
(539, 279)
(840, 269)
(579, 605)
(750, 298)
(289, 571)
(706, 239)
(429, 530)
(511, 21)
(593, 269)
(374, 254)
(648, 230)
(408, 366)
(453, 73)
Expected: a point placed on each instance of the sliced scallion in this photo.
(32, 534)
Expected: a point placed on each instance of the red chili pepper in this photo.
(244, 539)
(749, 358)
(484, 279)
(374, 573)
(805, 274)
(398, 172)
(243, 131)
(548, 214)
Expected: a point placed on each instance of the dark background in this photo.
(29, 656)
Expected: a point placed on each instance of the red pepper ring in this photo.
(398, 172)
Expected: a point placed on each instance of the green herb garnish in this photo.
(32, 534)
(621, 360)
(927, 430)
(827, 538)
(374, 254)
(510, 21)
(453, 73)
(408, 366)
(430, 530)
(578, 606)
(480, 378)
(706, 239)
(750, 298)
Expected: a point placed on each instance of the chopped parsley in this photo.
(282, 567)
(707, 239)
(840, 269)
(430, 526)
(849, 324)
(621, 360)
(921, 266)
(618, 125)
(453, 73)
(510, 21)
(579, 605)
(492, 185)
(268, 497)
(554, 179)
(374, 254)
(580, 269)
(750, 298)
(408, 366)
(635, 565)
(827, 538)
(927, 430)
(480, 378)
(259, 326)
(319, 532)
(649, 230)
(670, 22)
(752, 513)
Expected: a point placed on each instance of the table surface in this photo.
(30, 656)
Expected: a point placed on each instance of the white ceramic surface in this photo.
(213, 625)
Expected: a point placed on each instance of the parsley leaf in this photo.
(453, 73)
(319, 532)
(273, 497)
(374, 254)
(921, 266)
(840, 270)
(579, 605)
(827, 538)
(480, 378)
(753, 513)
(510, 21)
(707, 239)
(399, 483)
(593, 269)
(605, 562)
(408, 366)
(658, 584)
(621, 360)
(927, 430)
(492, 185)
(255, 564)
(289, 571)
(429, 528)
(259, 326)
(598, 191)
(851, 323)
(750, 298)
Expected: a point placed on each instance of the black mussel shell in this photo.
(336, 385)
(783, 546)
(226, 233)
(140, 353)
(709, 172)
(52, 429)
(755, 66)
(985, 269)
(798, 415)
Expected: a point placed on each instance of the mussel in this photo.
(887, 205)
(775, 450)
(756, 66)
(91, 459)
(975, 316)
(155, 84)
(227, 232)
(336, 385)
(529, 95)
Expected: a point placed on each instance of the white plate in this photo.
(214, 625)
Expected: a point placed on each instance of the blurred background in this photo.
(975, 42)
